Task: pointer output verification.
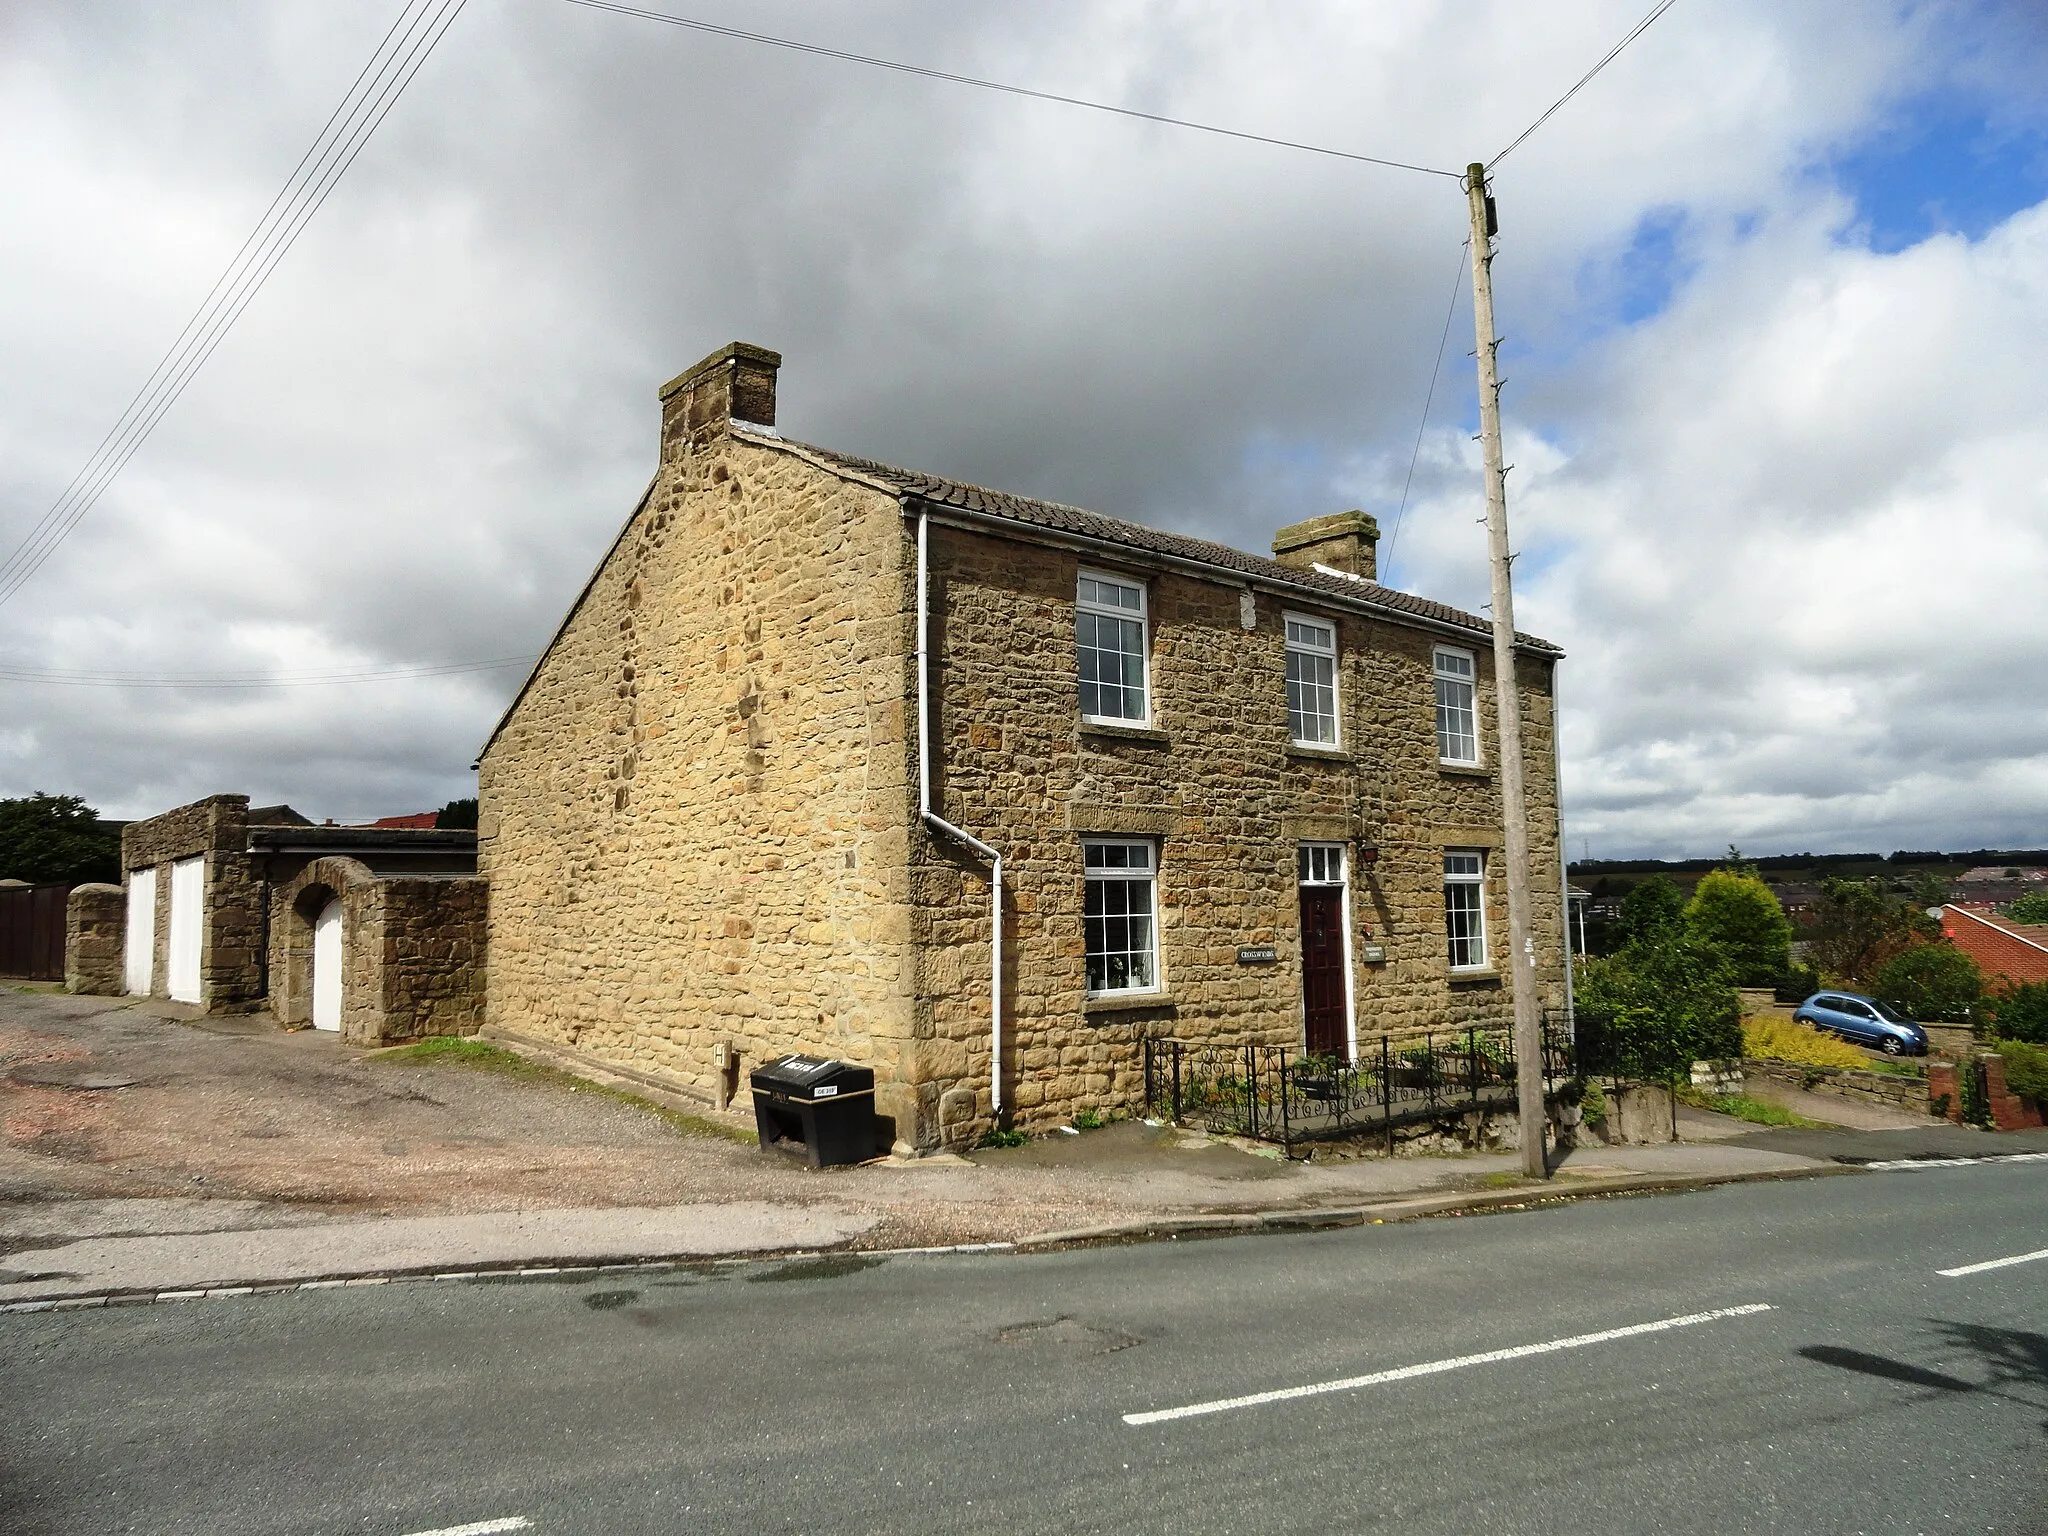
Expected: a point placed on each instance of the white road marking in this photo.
(480, 1527)
(1906, 1164)
(1436, 1367)
(1978, 1269)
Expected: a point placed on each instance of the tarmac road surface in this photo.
(1843, 1354)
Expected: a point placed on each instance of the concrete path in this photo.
(272, 1254)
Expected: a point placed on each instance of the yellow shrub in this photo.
(1775, 1037)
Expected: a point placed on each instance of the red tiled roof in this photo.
(426, 819)
(2016, 951)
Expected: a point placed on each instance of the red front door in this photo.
(1322, 970)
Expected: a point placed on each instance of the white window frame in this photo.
(1330, 864)
(1305, 646)
(1474, 880)
(1126, 874)
(1470, 682)
(1141, 615)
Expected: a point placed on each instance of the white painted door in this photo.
(138, 955)
(188, 929)
(327, 966)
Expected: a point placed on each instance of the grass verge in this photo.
(1743, 1107)
(484, 1056)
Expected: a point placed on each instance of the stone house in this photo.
(374, 932)
(1214, 795)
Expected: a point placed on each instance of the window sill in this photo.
(1105, 730)
(1485, 976)
(1126, 1002)
(1318, 754)
(1464, 770)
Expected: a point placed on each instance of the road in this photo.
(1847, 1386)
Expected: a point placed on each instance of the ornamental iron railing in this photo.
(1279, 1094)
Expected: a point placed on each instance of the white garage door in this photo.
(138, 956)
(327, 966)
(188, 928)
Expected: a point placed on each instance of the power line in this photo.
(404, 49)
(1612, 54)
(316, 679)
(1450, 310)
(996, 85)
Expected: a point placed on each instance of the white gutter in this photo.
(939, 823)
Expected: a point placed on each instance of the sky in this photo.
(1774, 289)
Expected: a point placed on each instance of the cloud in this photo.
(431, 422)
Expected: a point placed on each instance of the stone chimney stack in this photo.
(1344, 541)
(735, 383)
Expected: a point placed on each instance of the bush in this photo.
(1657, 1007)
(2021, 1014)
(2030, 908)
(1773, 1037)
(1935, 983)
(1736, 914)
(2026, 1068)
(1650, 908)
(1797, 984)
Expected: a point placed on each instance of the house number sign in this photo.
(1258, 954)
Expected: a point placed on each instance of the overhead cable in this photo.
(1450, 310)
(1612, 54)
(316, 679)
(405, 48)
(794, 46)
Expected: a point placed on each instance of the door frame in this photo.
(1343, 885)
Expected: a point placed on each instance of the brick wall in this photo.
(2016, 957)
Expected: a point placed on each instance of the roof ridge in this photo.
(1032, 511)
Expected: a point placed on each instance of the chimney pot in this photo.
(735, 383)
(1344, 541)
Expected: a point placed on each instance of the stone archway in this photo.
(317, 919)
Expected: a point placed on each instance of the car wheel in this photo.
(1893, 1046)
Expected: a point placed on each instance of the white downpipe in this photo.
(939, 823)
(1564, 879)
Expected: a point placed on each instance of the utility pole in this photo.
(1507, 696)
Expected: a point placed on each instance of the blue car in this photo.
(1864, 1020)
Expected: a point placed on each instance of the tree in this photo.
(1651, 907)
(1858, 925)
(460, 814)
(1736, 913)
(2030, 908)
(2020, 1014)
(1935, 983)
(45, 839)
(1658, 1006)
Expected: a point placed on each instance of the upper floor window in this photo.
(1311, 681)
(1457, 724)
(1120, 939)
(1465, 907)
(1109, 633)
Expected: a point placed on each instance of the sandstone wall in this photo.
(232, 953)
(1218, 783)
(694, 820)
(412, 951)
(95, 928)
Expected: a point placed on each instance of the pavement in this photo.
(1862, 1353)
(151, 1154)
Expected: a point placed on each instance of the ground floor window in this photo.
(1118, 917)
(1465, 907)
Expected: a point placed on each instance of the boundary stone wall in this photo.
(95, 932)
